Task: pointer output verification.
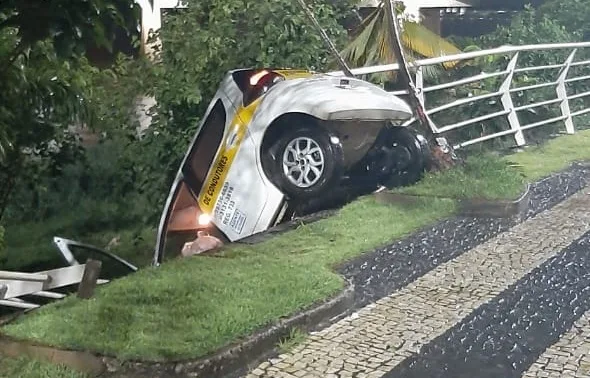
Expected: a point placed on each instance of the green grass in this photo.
(32, 368)
(295, 337)
(480, 177)
(189, 308)
(555, 155)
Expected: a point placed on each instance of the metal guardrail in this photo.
(15, 285)
(505, 91)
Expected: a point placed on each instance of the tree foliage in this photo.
(127, 177)
(571, 14)
(41, 69)
(70, 25)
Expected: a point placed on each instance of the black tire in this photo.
(331, 172)
(413, 154)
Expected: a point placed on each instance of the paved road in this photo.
(517, 305)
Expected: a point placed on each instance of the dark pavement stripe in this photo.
(504, 337)
(378, 274)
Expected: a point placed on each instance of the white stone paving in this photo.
(378, 337)
(569, 357)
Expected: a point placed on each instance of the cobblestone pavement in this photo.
(379, 273)
(569, 357)
(428, 328)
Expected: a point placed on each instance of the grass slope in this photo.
(553, 156)
(480, 177)
(189, 308)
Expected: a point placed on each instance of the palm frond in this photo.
(367, 34)
(423, 41)
(429, 73)
(371, 43)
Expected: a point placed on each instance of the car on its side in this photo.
(274, 140)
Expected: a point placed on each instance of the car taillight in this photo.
(260, 83)
(254, 79)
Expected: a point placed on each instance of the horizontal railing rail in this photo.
(502, 86)
(15, 285)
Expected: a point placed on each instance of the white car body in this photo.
(236, 195)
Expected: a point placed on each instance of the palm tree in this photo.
(386, 33)
(373, 43)
(380, 37)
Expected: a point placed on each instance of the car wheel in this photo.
(407, 152)
(306, 162)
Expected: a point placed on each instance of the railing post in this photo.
(562, 94)
(420, 85)
(422, 98)
(89, 279)
(509, 105)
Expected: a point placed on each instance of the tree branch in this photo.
(343, 66)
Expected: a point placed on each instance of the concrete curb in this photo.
(82, 361)
(475, 207)
(497, 208)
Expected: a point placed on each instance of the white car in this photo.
(275, 140)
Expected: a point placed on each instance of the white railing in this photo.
(14, 285)
(506, 91)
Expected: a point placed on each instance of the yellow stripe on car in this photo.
(218, 173)
(294, 74)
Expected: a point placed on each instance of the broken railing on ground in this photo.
(507, 92)
(16, 285)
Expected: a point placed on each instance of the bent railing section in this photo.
(14, 286)
(513, 88)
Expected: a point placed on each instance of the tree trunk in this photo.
(442, 154)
